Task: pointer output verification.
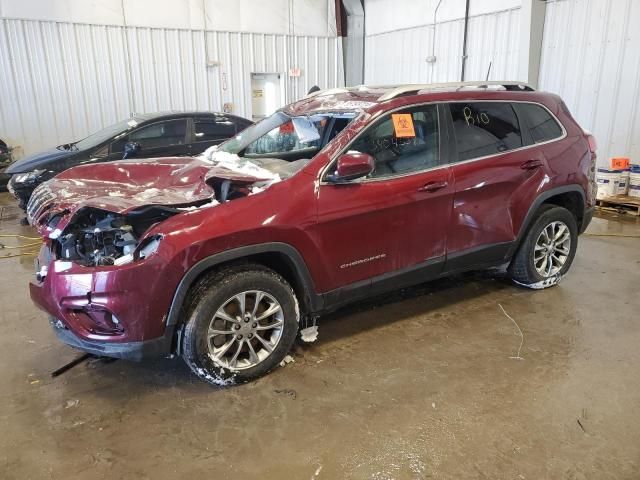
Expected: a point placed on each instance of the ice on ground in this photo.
(548, 282)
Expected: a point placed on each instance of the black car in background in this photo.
(5, 161)
(142, 136)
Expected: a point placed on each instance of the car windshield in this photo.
(288, 137)
(105, 134)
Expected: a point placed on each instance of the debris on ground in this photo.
(287, 391)
(580, 423)
(71, 364)
(517, 357)
(286, 360)
(317, 472)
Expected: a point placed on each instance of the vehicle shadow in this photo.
(407, 303)
(383, 310)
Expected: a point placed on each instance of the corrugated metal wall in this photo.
(400, 56)
(61, 81)
(591, 57)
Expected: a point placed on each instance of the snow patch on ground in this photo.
(549, 282)
(215, 380)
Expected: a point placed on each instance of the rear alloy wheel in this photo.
(242, 322)
(548, 249)
(552, 249)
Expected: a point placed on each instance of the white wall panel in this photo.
(290, 17)
(62, 81)
(389, 15)
(591, 57)
(400, 56)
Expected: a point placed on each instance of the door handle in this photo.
(432, 186)
(531, 164)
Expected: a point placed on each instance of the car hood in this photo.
(39, 160)
(124, 186)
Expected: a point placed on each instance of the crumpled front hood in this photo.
(123, 186)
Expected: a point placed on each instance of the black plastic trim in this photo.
(478, 257)
(386, 282)
(313, 300)
(136, 351)
(587, 216)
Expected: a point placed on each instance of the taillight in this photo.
(593, 146)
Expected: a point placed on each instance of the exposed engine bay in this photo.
(92, 222)
(99, 238)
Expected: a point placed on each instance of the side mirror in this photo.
(131, 149)
(352, 165)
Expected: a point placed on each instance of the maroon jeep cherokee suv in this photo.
(348, 193)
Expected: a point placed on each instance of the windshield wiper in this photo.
(67, 146)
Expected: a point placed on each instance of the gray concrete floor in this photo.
(418, 384)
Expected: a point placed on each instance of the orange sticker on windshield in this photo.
(403, 125)
(286, 128)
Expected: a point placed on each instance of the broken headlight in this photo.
(147, 247)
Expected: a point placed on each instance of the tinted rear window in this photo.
(485, 128)
(213, 129)
(542, 125)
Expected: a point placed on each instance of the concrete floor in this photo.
(419, 384)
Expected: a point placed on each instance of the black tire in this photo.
(522, 269)
(210, 295)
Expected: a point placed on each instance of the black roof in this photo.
(145, 117)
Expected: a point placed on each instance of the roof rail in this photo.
(327, 91)
(411, 88)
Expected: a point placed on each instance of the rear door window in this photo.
(485, 128)
(161, 134)
(213, 129)
(542, 126)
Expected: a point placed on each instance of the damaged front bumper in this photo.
(136, 351)
(111, 311)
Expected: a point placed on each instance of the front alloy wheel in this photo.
(241, 322)
(245, 330)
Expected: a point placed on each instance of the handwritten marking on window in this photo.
(473, 118)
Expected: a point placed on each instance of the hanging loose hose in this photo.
(15, 235)
(26, 246)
